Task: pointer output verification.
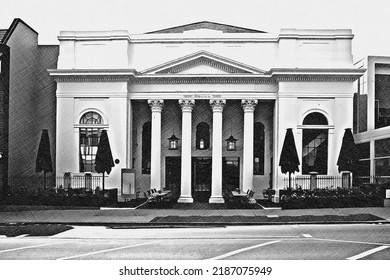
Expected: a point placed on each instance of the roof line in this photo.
(12, 27)
(204, 22)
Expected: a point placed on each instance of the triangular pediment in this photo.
(203, 63)
(206, 25)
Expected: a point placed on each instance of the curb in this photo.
(179, 224)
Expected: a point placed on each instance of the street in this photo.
(284, 242)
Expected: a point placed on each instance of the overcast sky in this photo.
(369, 19)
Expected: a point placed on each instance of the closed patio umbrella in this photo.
(348, 156)
(289, 161)
(43, 162)
(104, 160)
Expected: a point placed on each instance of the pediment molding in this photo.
(202, 58)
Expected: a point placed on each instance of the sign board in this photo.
(128, 181)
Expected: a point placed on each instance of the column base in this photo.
(216, 199)
(185, 199)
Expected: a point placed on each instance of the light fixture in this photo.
(201, 144)
(231, 141)
(173, 142)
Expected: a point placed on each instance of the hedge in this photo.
(363, 196)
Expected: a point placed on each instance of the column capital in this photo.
(249, 104)
(187, 104)
(156, 104)
(217, 104)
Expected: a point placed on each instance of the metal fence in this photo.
(373, 179)
(323, 182)
(37, 182)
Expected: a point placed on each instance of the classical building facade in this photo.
(202, 108)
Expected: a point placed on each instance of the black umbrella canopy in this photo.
(104, 160)
(289, 161)
(43, 162)
(348, 156)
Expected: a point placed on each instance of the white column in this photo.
(155, 165)
(185, 189)
(247, 163)
(216, 178)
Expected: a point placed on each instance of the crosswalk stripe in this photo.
(29, 247)
(107, 250)
(243, 250)
(367, 253)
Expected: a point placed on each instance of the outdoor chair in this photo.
(249, 197)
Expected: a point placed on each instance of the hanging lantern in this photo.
(173, 142)
(201, 144)
(231, 143)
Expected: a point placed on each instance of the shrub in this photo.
(363, 196)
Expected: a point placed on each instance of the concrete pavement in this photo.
(147, 217)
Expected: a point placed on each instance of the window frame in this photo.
(87, 165)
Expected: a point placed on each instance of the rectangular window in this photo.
(315, 151)
(382, 103)
(89, 141)
(382, 147)
(382, 167)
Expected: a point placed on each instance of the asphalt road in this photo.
(286, 242)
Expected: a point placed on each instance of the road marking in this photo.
(367, 253)
(352, 241)
(243, 250)
(272, 216)
(107, 250)
(28, 247)
(307, 235)
(21, 236)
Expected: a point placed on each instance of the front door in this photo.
(173, 174)
(231, 173)
(201, 178)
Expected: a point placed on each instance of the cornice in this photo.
(202, 79)
(274, 76)
(92, 75)
(316, 74)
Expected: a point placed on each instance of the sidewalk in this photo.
(159, 217)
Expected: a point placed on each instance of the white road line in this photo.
(243, 250)
(272, 216)
(21, 236)
(352, 241)
(107, 250)
(307, 235)
(369, 252)
(29, 247)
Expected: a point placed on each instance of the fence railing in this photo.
(332, 182)
(373, 179)
(304, 181)
(37, 182)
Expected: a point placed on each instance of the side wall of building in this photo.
(32, 99)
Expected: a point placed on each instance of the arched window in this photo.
(315, 119)
(315, 144)
(258, 149)
(146, 147)
(89, 140)
(202, 136)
